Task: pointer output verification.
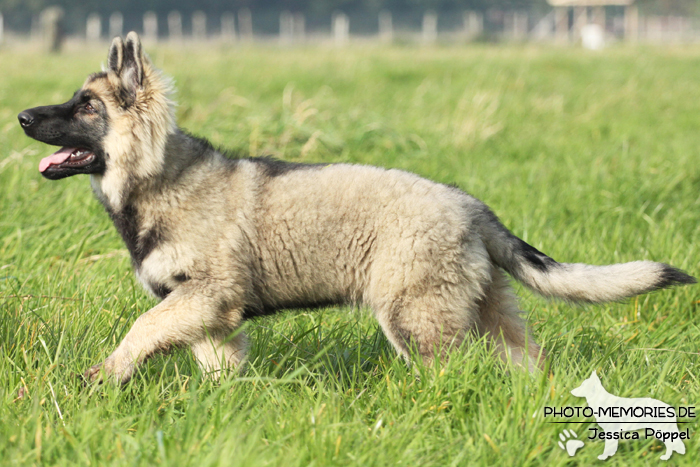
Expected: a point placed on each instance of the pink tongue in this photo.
(56, 158)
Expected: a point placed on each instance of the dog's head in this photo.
(589, 387)
(119, 119)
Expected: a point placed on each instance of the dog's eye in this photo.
(89, 108)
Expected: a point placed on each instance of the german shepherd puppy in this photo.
(221, 240)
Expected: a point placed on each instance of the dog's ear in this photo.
(115, 60)
(132, 72)
(594, 376)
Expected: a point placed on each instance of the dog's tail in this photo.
(573, 281)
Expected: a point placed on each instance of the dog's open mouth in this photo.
(65, 158)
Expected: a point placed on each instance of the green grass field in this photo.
(589, 157)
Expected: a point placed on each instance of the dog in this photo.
(222, 239)
(615, 423)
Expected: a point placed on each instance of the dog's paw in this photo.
(110, 370)
(93, 374)
(569, 442)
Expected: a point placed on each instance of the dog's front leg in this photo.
(609, 450)
(217, 352)
(183, 318)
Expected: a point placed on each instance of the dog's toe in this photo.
(93, 374)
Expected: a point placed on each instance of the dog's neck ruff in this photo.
(135, 158)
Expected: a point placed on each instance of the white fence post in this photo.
(286, 27)
(174, 26)
(631, 23)
(341, 28)
(228, 27)
(386, 28)
(299, 27)
(508, 25)
(51, 25)
(116, 24)
(429, 27)
(520, 23)
(2, 28)
(598, 14)
(93, 28)
(150, 26)
(580, 20)
(199, 25)
(561, 24)
(473, 24)
(544, 29)
(654, 29)
(245, 24)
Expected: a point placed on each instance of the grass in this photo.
(589, 157)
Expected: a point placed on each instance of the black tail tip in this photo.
(671, 276)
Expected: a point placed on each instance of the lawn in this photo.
(590, 157)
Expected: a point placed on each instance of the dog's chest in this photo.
(163, 271)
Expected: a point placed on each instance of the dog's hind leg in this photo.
(414, 325)
(217, 352)
(500, 322)
(428, 303)
(672, 446)
(428, 320)
(411, 327)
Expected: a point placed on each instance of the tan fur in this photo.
(138, 133)
(408, 259)
(501, 322)
(224, 240)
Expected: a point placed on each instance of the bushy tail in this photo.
(574, 281)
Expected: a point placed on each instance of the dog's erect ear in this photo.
(115, 60)
(594, 376)
(132, 70)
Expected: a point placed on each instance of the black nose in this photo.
(25, 119)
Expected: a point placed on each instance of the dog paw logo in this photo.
(569, 442)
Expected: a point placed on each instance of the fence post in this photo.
(598, 14)
(228, 27)
(654, 30)
(116, 24)
(473, 24)
(631, 23)
(429, 27)
(150, 26)
(93, 28)
(245, 24)
(341, 28)
(299, 27)
(36, 32)
(286, 27)
(544, 28)
(520, 24)
(199, 25)
(508, 23)
(386, 28)
(561, 24)
(52, 28)
(2, 28)
(174, 26)
(580, 20)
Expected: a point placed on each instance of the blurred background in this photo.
(591, 23)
